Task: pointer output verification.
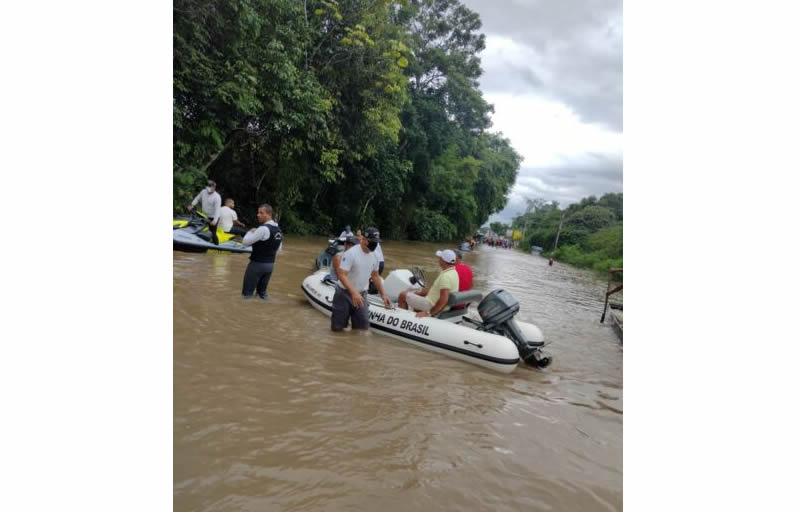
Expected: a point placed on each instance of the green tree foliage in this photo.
(498, 228)
(613, 202)
(591, 233)
(338, 112)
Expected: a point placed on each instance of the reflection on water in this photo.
(272, 411)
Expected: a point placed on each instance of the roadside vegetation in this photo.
(350, 112)
(590, 236)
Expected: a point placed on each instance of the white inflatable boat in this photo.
(495, 340)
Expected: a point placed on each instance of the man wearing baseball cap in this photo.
(431, 301)
(350, 299)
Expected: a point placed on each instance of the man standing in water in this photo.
(350, 299)
(211, 202)
(266, 241)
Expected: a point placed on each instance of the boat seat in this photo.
(458, 303)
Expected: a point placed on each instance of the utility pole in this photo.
(555, 246)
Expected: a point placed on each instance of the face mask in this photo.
(372, 246)
(209, 189)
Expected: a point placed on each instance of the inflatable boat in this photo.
(494, 340)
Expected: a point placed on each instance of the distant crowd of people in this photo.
(497, 243)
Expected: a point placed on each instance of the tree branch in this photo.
(216, 155)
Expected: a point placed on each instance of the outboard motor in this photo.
(497, 311)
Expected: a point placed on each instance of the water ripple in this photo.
(272, 411)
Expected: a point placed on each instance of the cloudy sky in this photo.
(553, 71)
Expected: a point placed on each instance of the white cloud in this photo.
(553, 71)
(547, 133)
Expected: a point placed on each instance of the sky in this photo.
(553, 71)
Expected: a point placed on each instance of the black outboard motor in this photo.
(497, 311)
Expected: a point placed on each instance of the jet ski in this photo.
(190, 234)
(493, 339)
(325, 257)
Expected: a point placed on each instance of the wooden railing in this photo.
(609, 292)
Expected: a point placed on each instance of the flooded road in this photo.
(273, 411)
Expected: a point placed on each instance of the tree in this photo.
(613, 202)
(338, 112)
(498, 228)
(591, 235)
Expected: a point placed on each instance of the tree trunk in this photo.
(215, 156)
(558, 233)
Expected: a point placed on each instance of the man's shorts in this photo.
(418, 303)
(344, 311)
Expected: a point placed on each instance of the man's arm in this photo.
(337, 260)
(236, 221)
(376, 279)
(217, 207)
(354, 294)
(255, 235)
(196, 200)
(444, 296)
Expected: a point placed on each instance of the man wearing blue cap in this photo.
(431, 301)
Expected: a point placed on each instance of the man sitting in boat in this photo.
(229, 221)
(432, 301)
(333, 275)
(464, 277)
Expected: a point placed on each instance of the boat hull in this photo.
(185, 241)
(451, 338)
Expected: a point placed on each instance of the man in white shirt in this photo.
(210, 204)
(379, 255)
(347, 232)
(350, 299)
(229, 221)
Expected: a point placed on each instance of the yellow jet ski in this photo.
(190, 233)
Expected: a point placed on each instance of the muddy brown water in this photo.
(273, 411)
